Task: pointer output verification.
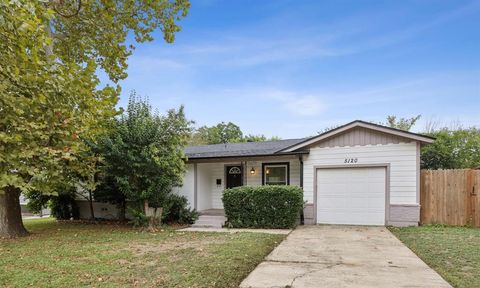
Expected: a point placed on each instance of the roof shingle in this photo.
(239, 149)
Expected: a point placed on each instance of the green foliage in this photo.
(50, 95)
(401, 123)
(225, 133)
(220, 133)
(259, 138)
(64, 207)
(175, 210)
(139, 219)
(108, 192)
(452, 149)
(268, 206)
(37, 201)
(47, 105)
(144, 153)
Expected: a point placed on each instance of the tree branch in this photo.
(75, 13)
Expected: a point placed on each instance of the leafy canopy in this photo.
(225, 133)
(401, 123)
(50, 95)
(452, 149)
(144, 154)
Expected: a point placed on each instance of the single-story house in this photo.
(359, 173)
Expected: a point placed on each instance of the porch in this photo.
(212, 212)
(206, 180)
(214, 218)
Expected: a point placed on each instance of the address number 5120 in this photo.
(351, 160)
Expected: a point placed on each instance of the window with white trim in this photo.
(275, 174)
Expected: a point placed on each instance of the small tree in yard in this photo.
(145, 154)
(49, 92)
(86, 174)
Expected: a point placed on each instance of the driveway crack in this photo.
(310, 272)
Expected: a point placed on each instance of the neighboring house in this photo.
(27, 212)
(360, 173)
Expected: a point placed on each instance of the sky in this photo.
(293, 68)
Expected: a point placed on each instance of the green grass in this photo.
(454, 252)
(60, 254)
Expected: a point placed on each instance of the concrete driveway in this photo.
(342, 256)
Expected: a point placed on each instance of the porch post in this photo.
(245, 174)
(195, 187)
(300, 158)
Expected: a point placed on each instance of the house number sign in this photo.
(351, 160)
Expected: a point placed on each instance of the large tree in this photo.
(50, 53)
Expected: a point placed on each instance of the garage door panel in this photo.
(341, 203)
(351, 196)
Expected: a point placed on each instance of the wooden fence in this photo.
(450, 197)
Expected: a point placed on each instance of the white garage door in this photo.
(351, 196)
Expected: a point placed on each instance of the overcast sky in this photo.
(292, 68)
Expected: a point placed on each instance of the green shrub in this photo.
(175, 210)
(64, 207)
(139, 219)
(272, 206)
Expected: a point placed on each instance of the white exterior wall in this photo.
(203, 184)
(402, 158)
(101, 210)
(188, 188)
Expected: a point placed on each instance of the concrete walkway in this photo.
(342, 256)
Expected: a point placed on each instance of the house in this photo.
(359, 173)
(26, 212)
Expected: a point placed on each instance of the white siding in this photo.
(187, 190)
(101, 210)
(360, 136)
(401, 157)
(203, 185)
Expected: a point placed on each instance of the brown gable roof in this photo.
(358, 123)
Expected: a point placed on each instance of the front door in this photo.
(234, 176)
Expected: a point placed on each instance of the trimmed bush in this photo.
(272, 206)
(175, 210)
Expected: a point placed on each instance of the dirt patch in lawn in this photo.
(198, 244)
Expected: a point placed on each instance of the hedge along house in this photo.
(360, 173)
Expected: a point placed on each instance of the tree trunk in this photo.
(11, 224)
(122, 210)
(154, 216)
(90, 203)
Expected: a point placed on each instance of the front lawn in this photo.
(73, 254)
(454, 252)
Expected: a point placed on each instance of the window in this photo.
(234, 170)
(276, 174)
